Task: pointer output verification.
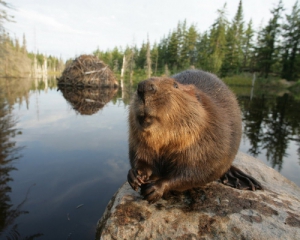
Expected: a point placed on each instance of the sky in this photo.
(69, 28)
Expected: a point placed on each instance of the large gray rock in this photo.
(212, 212)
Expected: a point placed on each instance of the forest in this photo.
(227, 48)
(16, 61)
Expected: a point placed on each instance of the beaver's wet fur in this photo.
(184, 131)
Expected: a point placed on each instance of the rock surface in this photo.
(214, 211)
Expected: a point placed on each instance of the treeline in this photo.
(227, 48)
(13, 57)
(15, 60)
(54, 64)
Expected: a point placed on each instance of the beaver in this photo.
(184, 132)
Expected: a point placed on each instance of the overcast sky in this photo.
(68, 28)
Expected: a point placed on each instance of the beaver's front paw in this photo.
(133, 179)
(153, 191)
(137, 177)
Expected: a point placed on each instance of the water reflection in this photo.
(88, 101)
(9, 153)
(271, 124)
(17, 90)
(76, 159)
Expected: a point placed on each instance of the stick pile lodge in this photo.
(87, 71)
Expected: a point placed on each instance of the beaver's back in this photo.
(220, 94)
(208, 83)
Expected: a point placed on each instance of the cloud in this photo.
(50, 22)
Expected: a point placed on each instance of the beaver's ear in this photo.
(190, 89)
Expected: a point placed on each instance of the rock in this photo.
(214, 211)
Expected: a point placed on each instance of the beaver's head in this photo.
(163, 102)
(165, 113)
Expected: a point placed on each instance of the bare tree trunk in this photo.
(148, 60)
(123, 67)
(122, 75)
(131, 63)
(167, 72)
(156, 60)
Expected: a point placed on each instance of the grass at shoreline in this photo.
(239, 80)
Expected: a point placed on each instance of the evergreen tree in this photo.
(191, 42)
(142, 56)
(233, 52)
(116, 58)
(218, 41)
(182, 47)
(154, 58)
(203, 52)
(267, 42)
(291, 45)
(172, 51)
(248, 47)
(162, 54)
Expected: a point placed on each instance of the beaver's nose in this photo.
(146, 86)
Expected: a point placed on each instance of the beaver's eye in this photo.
(175, 85)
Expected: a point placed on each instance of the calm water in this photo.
(64, 154)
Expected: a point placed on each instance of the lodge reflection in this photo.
(271, 123)
(88, 101)
(9, 153)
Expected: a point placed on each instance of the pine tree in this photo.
(233, 51)
(248, 47)
(191, 42)
(182, 48)
(142, 56)
(218, 41)
(154, 57)
(116, 58)
(291, 44)
(162, 54)
(267, 44)
(172, 52)
(203, 52)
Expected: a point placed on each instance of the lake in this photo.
(65, 153)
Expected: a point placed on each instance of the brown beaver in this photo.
(184, 132)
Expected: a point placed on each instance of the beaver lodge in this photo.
(87, 71)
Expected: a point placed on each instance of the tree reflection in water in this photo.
(270, 123)
(9, 152)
